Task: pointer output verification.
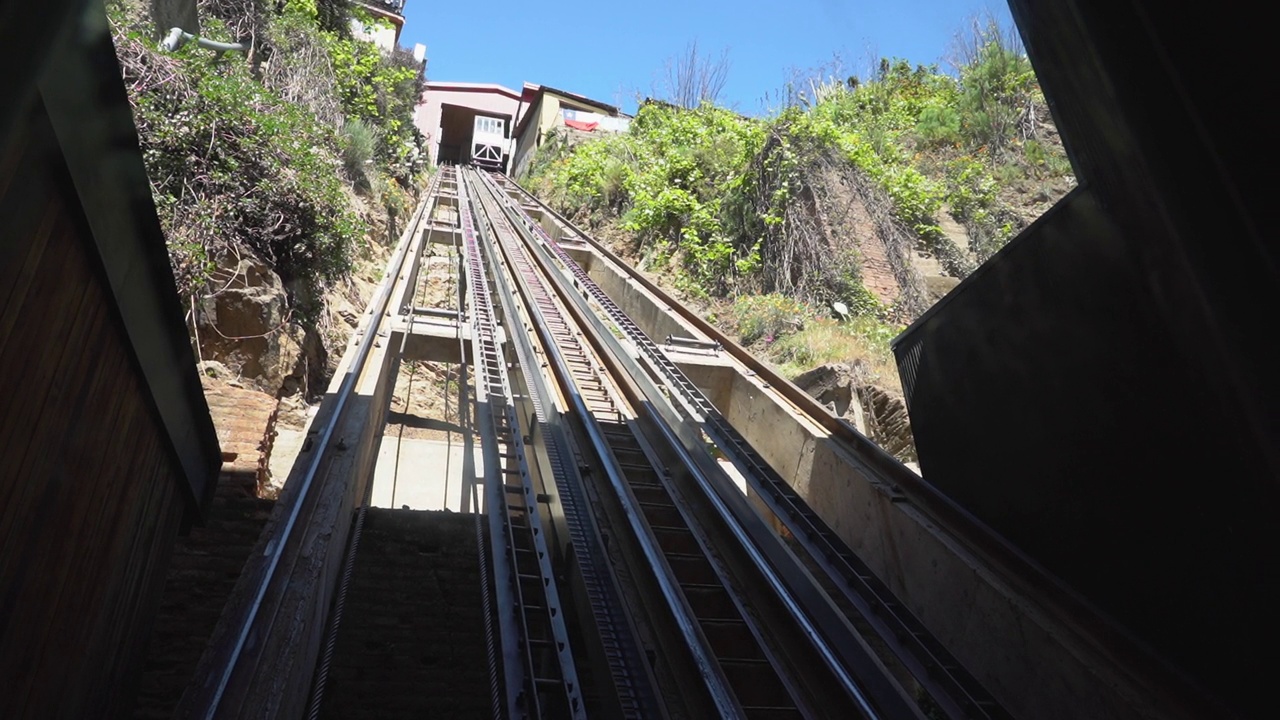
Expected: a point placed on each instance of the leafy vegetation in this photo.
(381, 90)
(768, 317)
(736, 207)
(249, 157)
(797, 335)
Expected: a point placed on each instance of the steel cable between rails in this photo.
(339, 604)
(321, 679)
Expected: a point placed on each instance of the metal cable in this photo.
(490, 641)
(486, 599)
(331, 635)
(348, 568)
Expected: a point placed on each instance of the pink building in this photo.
(448, 111)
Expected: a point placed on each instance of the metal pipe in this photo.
(693, 343)
(437, 312)
(178, 37)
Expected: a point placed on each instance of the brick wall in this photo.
(877, 272)
(411, 643)
(246, 423)
(207, 562)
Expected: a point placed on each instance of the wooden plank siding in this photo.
(91, 498)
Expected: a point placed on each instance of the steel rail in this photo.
(497, 696)
(712, 674)
(353, 542)
(558, 341)
(958, 522)
(276, 545)
(633, 684)
(757, 691)
(845, 653)
(509, 632)
(515, 523)
(955, 690)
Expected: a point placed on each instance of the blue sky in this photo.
(611, 50)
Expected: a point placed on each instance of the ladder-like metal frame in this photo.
(632, 684)
(538, 665)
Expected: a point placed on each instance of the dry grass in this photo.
(825, 340)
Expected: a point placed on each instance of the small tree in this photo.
(693, 78)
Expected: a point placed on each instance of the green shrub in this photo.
(382, 90)
(996, 90)
(826, 340)
(970, 188)
(768, 317)
(234, 167)
(359, 142)
(939, 125)
(736, 204)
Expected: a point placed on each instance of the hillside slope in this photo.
(281, 175)
(817, 234)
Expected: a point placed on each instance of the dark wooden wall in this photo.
(90, 493)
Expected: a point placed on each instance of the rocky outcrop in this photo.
(876, 412)
(887, 421)
(245, 323)
(832, 385)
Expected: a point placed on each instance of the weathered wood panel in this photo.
(90, 498)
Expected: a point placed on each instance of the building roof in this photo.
(532, 92)
(473, 87)
(608, 109)
(389, 7)
(385, 10)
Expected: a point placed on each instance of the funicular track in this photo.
(749, 670)
(726, 640)
(627, 576)
(950, 689)
(529, 605)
